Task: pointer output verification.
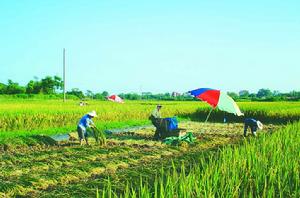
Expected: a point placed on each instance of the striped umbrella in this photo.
(217, 98)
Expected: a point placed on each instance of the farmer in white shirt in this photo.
(156, 119)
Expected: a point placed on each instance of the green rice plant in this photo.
(236, 171)
(99, 136)
(43, 115)
(267, 166)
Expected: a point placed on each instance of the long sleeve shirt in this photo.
(155, 113)
(85, 121)
(250, 122)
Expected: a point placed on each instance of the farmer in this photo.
(253, 124)
(84, 123)
(156, 119)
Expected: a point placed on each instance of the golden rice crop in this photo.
(44, 114)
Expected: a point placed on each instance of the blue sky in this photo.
(157, 46)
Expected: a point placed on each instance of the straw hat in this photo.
(260, 125)
(93, 113)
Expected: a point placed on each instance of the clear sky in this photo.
(157, 46)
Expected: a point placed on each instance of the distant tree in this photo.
(99, 96)
(167, 95)
(105, 94)
(146, 93)
(59, 83)
(14, 88)
(252, 96)
(294, 93)
(33, 87)
(122, 95)
(233, 95)
(89, 94)
(76, 92)
(264, 93)
(276, 93)
(49, 85)
(130, 96)
(244, 93)
(2, 88)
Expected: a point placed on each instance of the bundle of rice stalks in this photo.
(99, 136)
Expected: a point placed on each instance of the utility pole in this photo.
(64, 71)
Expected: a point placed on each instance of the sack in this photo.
(172, 123)
(189, 138)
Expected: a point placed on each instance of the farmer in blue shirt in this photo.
(84, 123)
(253, 124)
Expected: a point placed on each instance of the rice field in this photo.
(264, 167)
(30, 115)
(221, 162)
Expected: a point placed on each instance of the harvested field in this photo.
(71, 169)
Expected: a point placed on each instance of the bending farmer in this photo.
(84, 123)
(156, 119)
(253, 124)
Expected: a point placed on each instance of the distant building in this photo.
(175, 94)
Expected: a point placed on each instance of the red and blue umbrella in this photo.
(115, 98)
(217, 98)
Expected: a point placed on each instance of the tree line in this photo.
(52, 87)
(47, 85)
(265, 95)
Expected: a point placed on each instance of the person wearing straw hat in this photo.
(84, 123)
(253, 124)
(156, 120)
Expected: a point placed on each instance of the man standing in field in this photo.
(156, 119)
(84, 123)
(253, 124)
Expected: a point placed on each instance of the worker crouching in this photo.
(253, 124)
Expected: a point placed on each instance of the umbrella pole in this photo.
(202, 130)
(208, 115)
